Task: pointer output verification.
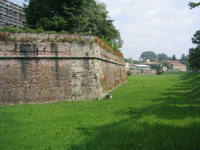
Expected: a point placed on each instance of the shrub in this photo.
(40, 30)
(63, 32)
(128, 72)
(50, 32)
(29, 30)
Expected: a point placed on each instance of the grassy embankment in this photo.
(148, 112)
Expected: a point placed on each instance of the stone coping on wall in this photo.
(43, 37)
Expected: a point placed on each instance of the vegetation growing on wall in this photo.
(107, 47)
(104, 43)
(5, 36)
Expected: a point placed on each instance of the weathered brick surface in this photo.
(44, 68)
(34, 80)
(112, 76)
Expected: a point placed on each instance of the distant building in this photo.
(147, 62)
(142, 69)
(11, 15)
(178, 66)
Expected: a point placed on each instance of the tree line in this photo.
(162, 60)
(162, 57)
(152, 56)
(194, 53)
(75, 17)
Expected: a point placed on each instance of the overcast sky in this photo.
(162, 26)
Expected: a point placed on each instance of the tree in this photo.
(194, 53)
(77, 16)
(193, 4)
(56, 22)
(194, 58)
(167, 64)
(150, 55)
(162, 57)
(183, 57)
(129, 60)
(196, 38)
(184, 60)
(174, 57)
(157, 68)
(136, 62)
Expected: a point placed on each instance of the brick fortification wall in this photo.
(51, 67)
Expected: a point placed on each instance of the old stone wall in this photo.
(51, 67)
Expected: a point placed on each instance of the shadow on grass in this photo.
(135, 133)
(192, 81)
(121, 137)
(181, 101)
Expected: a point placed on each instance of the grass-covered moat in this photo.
(146, 113)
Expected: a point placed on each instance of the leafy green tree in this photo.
(162, 57)
(129, 60)
(157, 68)
(184, 60)
(196, 38)
(136, 62)
(193, 4)
(194, 58)
(194, 53)
(55, 22)
(150, 55)
(167, 64)
(73, 16)
(174, 57)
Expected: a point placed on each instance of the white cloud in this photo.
(159, 25)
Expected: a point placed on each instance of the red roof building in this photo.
(177, 65)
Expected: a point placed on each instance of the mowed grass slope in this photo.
(148, 112)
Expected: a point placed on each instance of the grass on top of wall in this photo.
(29, 30)
(103, 42)
(148, 112)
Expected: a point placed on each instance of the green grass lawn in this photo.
(147, 113)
